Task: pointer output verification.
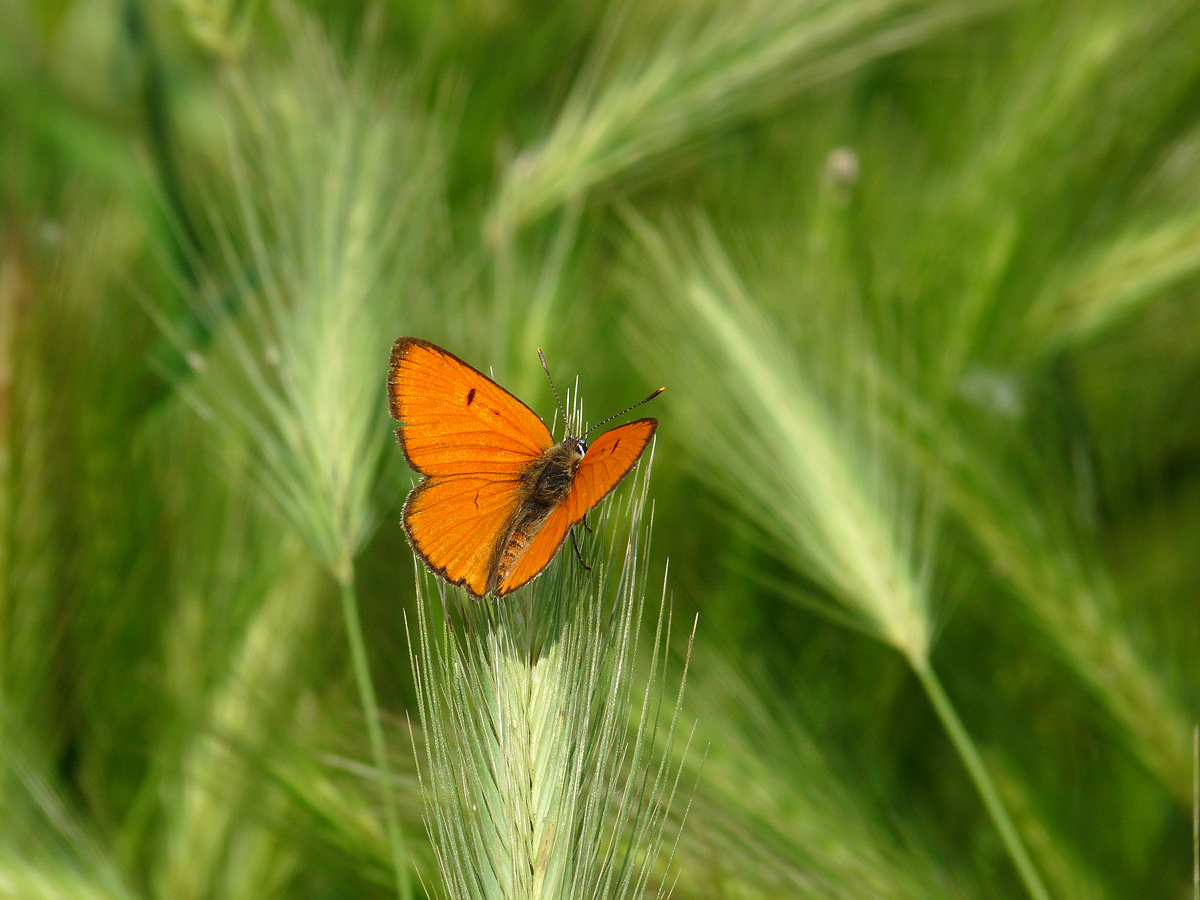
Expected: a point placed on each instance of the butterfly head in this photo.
(577, 448)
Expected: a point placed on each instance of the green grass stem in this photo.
(366, 693)
(968, 753)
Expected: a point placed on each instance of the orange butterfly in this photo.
(499, 495)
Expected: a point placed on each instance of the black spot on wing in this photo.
(470, 396)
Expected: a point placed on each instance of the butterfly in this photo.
(499, 495)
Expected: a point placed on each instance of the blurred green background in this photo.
(920, 276)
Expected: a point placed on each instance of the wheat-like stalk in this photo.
(824, 485)
(774, 795)
(719, 64)
(336, 181)
(537, 769)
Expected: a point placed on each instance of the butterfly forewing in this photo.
(457, 421)
(607, 461)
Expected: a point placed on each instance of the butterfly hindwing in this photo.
(455, 524)
(539, 552)
(455, 420)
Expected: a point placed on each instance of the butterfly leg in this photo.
(577, 553)
(586, 526)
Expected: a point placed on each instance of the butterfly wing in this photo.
(454, 420)
(608, 460)
(455, 524)
(540, 551)
(473, 441)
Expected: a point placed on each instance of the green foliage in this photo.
(920, 277)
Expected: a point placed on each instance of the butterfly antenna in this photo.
(622, 412)
(557, 399)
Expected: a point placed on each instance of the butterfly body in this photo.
(549, 481)
(552, 475)
(499, 494)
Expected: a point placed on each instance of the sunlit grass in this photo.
(930, 343)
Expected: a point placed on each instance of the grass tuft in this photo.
(539, 774)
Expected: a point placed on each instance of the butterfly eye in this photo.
(580, 447)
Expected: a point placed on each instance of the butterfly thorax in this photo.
(549, 482)
(551, 476)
